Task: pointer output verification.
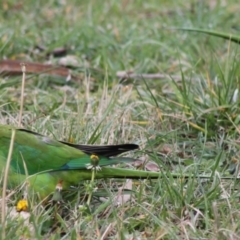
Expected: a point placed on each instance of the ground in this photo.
(186, 121)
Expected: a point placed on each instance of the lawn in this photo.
(185, 118)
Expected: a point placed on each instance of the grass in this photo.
(187, 126)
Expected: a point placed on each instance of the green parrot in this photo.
(43, 162)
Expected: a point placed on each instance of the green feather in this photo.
(45, 183)
(41, 153)
(47, 161)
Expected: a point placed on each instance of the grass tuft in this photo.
(187, 124)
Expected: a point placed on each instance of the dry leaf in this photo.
(152, 166)
(13, 67)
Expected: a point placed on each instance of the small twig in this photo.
(130, 75)
(107, 231)
(5, 182)
(22, 94)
